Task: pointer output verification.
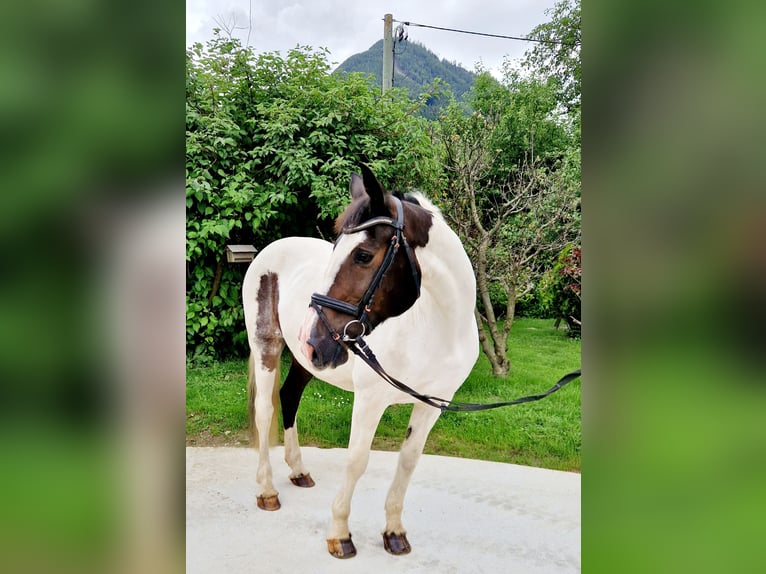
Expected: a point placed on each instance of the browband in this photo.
(397, 223)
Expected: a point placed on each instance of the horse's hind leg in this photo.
(266, 344)
(290, 397)
(421, 422)
(264, 397)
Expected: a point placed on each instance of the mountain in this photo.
(414, 67)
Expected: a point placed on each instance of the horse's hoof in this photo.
(303, 480)
(269, 502)
(396, 543)
(341, 548)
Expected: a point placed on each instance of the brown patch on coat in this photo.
(417, 224)
(268, 334)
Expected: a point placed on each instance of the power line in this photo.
(490, 35)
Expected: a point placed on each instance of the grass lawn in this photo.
(546, 433)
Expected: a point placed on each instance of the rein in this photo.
(363, 351)
(359, 347)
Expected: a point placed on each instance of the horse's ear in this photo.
(375, 191)
(356, 187)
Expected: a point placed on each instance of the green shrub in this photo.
(560, 289)
(270, 145)
(531, 306)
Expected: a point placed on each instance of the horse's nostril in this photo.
(313, 354)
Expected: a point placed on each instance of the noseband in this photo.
(361, 310)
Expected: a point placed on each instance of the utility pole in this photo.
(388, 52)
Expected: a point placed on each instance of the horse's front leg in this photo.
(364, 420)
(421, 422)
(290, 397)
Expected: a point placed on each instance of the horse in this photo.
(415, 307)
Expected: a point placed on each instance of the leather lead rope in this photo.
(363, 351)
(359, 347)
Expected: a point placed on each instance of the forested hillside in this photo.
(415, 67)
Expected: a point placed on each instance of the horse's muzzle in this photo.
(325, 352)
(318, 346)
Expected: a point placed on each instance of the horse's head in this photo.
(372, 274)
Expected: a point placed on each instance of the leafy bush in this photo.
(270, 144)
(531, 307)
(561, 288)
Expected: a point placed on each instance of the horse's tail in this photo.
(251, 387)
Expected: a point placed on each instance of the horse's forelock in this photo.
(355, 213)
(358, 211)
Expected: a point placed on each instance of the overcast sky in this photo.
(347, 27)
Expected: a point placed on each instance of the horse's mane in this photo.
(408, 197)
(418, 198)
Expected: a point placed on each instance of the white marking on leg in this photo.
(264, 412)
(293, 453)
(421, 422)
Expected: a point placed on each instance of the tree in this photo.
(512, 193)
(557, 56)
(270, 143)
(513, 172)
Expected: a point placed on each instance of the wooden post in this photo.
(388, 52)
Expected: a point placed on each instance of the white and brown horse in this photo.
(415, 307)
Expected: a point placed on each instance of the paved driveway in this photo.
(461, 516)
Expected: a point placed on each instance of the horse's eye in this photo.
(362, 257)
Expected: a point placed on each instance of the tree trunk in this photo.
(499, 368)
(216, 282)
(494, 343)
(510, 313)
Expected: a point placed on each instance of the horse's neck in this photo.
(448, 281)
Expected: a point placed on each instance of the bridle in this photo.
(362, 310)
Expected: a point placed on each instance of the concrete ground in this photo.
(461, 516)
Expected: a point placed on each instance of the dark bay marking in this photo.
(268, 334)
(291, 392)
(417, 222)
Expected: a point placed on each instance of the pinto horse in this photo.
(398, 275)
